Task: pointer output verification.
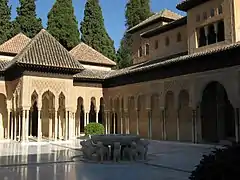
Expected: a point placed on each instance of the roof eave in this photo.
(135, 29)
(96, 64)
(189, 4)
(167, 27)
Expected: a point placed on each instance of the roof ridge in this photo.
(45, 50)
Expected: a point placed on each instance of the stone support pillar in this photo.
(8, 123)
(149, 110)
(39, 120)
(50, 125)
(137, 111)
(97, 115)
(12, 125)
(216, 30)
(178, 125)
(194, 125)
(56, 135)
(163, 111)
(15, 125)
(74, 124)
(237, 125)
(198, 124)
(19, 122)
(126, 120)
(60, 129)
(106, 121)
(27, 123)
(66, 124)
(23, 125)
(121, 120)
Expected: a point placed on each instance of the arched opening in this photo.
(62, 124)
(211, 34)
(3, 116)
(147, 49)
(80, 117)
(132, 116)
(171, 119)
(202, 41)
(140, 51)
(92, 113)
(217, 114)
(48, 105)
(157, 121)
(185, 117)
(33, 124)
(221, 33)
(101, 112)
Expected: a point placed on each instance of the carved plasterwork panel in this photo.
(44, 85)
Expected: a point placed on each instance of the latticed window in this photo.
(147, 49)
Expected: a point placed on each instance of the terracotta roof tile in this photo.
(92, 74)
(87, 54)
(3, 64)
(45, 51)
(162, 14)
(15, 44)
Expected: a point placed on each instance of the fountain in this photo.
(114, 148)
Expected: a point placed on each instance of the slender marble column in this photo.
(194, 123)
(27, 124)
(163, 110)
(60, 128)
(55, 125)
(149, 123)
(12, 125)
(178, 126)
(15, 125)
(39, 125)
(23, 125)
(137, 110)
(97, 115)
(66, 126)
(8, 124)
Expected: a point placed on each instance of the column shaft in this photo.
(194, 122)
(39, 125)
(66, 126)
(15, 126)
(178, 126)
(137, 122)
(8, 124)
(56, 125)
(23, 125)
(27, 124)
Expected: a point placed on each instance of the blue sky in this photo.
(113, 12)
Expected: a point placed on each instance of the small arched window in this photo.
(179, 37)
(220, 9)
(198, 18)
(212, 12)
(147, 49)
(167, 41)
(140, 52)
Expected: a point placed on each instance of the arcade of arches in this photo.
(47, 118)
(213, 120)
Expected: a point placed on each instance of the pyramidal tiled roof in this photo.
(87, 54)
(45, 51)
(15, 44)
(165, 13)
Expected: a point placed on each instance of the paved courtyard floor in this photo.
(53, 161)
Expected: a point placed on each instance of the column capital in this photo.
(26, 108)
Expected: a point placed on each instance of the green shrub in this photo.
(94, 129)
(221, 164)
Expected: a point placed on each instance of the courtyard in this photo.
(54, 161)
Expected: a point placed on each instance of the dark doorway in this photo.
(82, 119)
(92, 113)
(33, 126)
(211, 34)
(221, 31)
(202, 37)
(217, 114)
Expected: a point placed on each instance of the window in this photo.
(147, 49)
(202, 41)
(220, 9)
(179, 37)
(205, 15)
(220, 33)
(212, 12)
(167, 41)
(211, 34)
(140, 52)
(198, 18)
(156, 44)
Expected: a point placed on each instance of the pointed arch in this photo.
(92, 113)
